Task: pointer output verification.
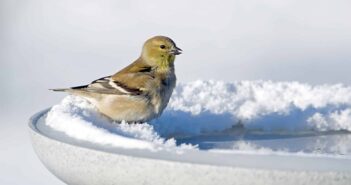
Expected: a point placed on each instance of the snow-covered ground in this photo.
(259, 117)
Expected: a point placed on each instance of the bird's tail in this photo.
(78, 91)
(77, 88)
(60, 89)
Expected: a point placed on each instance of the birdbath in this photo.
(77, 162)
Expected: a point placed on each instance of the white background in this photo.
(46, 44)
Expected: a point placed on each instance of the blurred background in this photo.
(47, 44)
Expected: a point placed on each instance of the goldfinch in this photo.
(139, 92)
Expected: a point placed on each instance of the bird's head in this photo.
(160, 52)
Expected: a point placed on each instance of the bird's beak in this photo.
(176, 51)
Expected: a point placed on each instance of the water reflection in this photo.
(338, 143)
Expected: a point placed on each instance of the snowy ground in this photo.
(260, 117)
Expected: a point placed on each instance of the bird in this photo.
(139, 92)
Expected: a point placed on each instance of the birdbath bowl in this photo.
(77, 162)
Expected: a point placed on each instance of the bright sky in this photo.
(307, 40)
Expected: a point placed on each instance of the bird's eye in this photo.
(162, 46)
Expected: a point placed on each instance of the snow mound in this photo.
(79, 119)
(205, 107)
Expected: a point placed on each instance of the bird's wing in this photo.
(107, 85)
(138, 76)
(135, 79)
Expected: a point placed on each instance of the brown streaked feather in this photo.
(135, 91)
(104, 85)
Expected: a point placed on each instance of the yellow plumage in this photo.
(140, 91)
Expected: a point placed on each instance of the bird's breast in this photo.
(164, 92)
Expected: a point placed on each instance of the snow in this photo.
(209, 108)
(266, 105)
(79, 119)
